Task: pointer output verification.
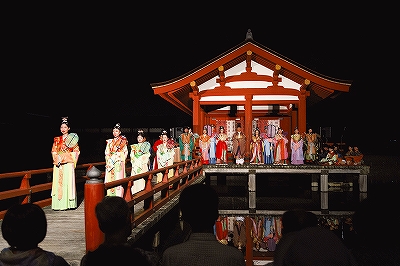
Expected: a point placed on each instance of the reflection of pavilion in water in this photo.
(256, 188)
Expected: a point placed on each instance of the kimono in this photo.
(280, 149)
(204, 144)
(256, 148)
(165, 157)
(155, 145)
(239, 147)
(63, 190)
(222, 148)
(268, 152)
(140, 160)
(213, 149)
(186, 144)
(311, 143)
(296, 145)
(116, 153)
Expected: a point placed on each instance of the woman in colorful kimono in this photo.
(140, 160)
(296, 145)
(116, 153)
(213, 145)
(165, 154)
(204, 144)
(65, 153)
(268, 142)
(280, 147)
(256, 147)
(222, 146)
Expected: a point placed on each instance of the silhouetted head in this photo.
(24, 226)
(113, 215)
(199, 207)
(297, 219)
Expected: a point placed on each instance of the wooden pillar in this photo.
(248, 118)
(324, 191)
(302, 112)
(249, 242)
(252, 191)
(196, 108)
(94, 192)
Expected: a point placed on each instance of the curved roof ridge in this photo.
(244, 42)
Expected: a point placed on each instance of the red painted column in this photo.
(94, 193)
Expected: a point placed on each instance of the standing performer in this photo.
(116, 153)
(155, 145)
(296, 145)
(213, 145)
(256, 147)
(268, 141)
(280, 152)
(204, 144)
(140, 160)
(222, 147)
(186, 143)
(239, 145)
(65, 152)
(311, 140)
(165, 154)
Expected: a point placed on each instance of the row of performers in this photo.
(264, 148)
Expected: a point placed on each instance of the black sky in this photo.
(95, 63)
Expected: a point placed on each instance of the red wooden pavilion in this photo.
(252, 85)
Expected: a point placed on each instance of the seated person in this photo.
(331, 158)
(24, 227)
(350, 151)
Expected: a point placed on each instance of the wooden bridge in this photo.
(67, 230)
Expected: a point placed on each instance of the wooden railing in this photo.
(29, 184)
(184, 173)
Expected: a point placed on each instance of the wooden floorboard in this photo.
(65, 234)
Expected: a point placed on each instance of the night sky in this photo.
(95, 64)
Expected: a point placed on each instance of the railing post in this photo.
(25, 184)
(94, 193)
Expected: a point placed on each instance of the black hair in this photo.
(199, 206)
(112, 213)
(24, 226)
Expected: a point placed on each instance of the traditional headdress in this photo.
(117, 126)
(164, 132)
(64, 120)
(140, 132)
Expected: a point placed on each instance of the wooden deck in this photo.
(66, 229)
(65, 234)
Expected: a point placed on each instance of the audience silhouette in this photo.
(376, 224)
(114, 218)
(199, 208)
(24, 226)
(304, 242)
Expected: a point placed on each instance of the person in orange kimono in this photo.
(204, 144)
(116, 153)
(65, 153)
(280, 148)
